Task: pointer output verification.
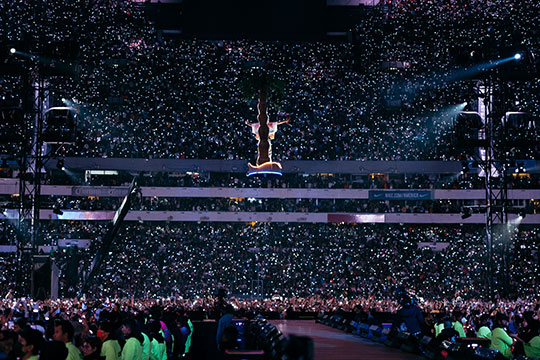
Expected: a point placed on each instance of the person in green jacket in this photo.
(146, 346)
(438, 327)
(532, 348)
(456, 323)
(188, 340)
(500, 340)
(159, 348)
(110, 349)
(63, 331)
(484, 332)
(133, 348)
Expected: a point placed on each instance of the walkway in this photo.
(337, 345)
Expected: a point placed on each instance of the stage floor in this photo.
(337, 345)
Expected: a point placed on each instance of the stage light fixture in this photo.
(60, 164)
(12, 50)
(517, 56)
(520, 169)
(464, 167)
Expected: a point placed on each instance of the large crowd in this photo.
(470, 180)
(140, 95)
(294, 260)
(80, 329)
(294, 180)
(258, 205)
(161, 328)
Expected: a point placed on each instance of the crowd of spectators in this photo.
(106, 327)
(90, 330)
(192, 260)
(140, 95)
(256, 205)
(470, 180)
(290, 181)
(77, 327)
(419, 38)
(301, 181)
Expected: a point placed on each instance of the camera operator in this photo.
(410, 316)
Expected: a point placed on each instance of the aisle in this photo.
(338, 345)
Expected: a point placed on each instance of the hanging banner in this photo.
(435, 246)
(400, 194)
(104, 191)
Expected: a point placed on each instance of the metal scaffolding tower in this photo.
(31, 166)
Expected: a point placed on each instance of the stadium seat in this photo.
(376, 332)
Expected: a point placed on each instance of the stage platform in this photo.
(337, 345)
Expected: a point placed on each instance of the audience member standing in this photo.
(133, 348)
(110, 349)
(484, 331)
(63, 331)
(31, 342)
(500, 340)
(91, 349)
(411, 316)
